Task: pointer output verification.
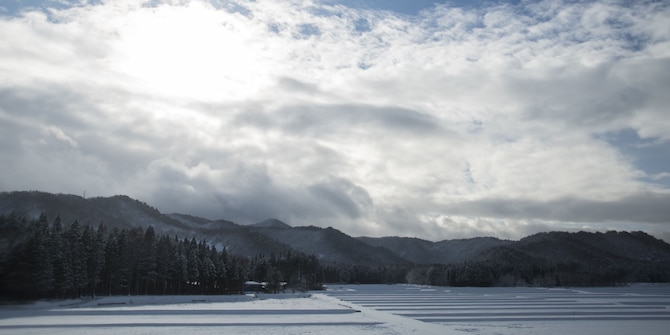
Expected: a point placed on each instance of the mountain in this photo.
(236, 239)
(599, 250)
(332, 245)
(577, 259)
(636, 246)
(266, 237)
(552, 258)
(420, 251)
(271, 223)
(116, 211)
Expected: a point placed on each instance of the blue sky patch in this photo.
(649, 155)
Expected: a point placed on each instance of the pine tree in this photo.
(165, 263)
(42, 241)
(192, 265)
(59, 259)
(76, 255)
(147, 262)
(180, 274)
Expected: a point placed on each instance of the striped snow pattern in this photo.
(446, 305)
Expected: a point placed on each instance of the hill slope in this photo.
(546, 258)
(332, 245)
(266, 237)
(116, 211)
(420, 251)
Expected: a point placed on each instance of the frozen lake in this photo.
(359, 309)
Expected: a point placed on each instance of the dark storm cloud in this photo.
(45, 118)
(254, 195)
(641, 208)
(345, 197)
(51, 105)
(591, 91)
(341, 119)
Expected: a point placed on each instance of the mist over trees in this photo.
(41, 258)
(51, 261)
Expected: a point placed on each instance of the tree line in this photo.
(49, 260)
(543, 273)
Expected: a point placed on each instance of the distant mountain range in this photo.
(330, 245)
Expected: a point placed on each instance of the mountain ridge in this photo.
(329, 245)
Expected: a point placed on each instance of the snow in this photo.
(358, 309)
(623, 310)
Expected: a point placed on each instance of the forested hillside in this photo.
(47, 260)
(59, 246)
(559, 259)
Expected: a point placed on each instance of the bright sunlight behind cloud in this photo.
(449, 122)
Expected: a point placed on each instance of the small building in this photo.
(254, 286)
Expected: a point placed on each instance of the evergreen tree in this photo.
(68, 262)
(147, 263)
(60, 261)
(75, 253)
(165, 263)
(193, 266)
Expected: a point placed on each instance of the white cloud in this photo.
(453, 122)
(60, 135)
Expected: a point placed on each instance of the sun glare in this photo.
(195, 52)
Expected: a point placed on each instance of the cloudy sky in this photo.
(379, 117)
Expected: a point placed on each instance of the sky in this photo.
(437, 120)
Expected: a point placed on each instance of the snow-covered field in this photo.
(359, 309)
(623, 310)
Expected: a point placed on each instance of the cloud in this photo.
(325, 120)
(648, 208)
(345, 197)
(60, 135)
(440, 123)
